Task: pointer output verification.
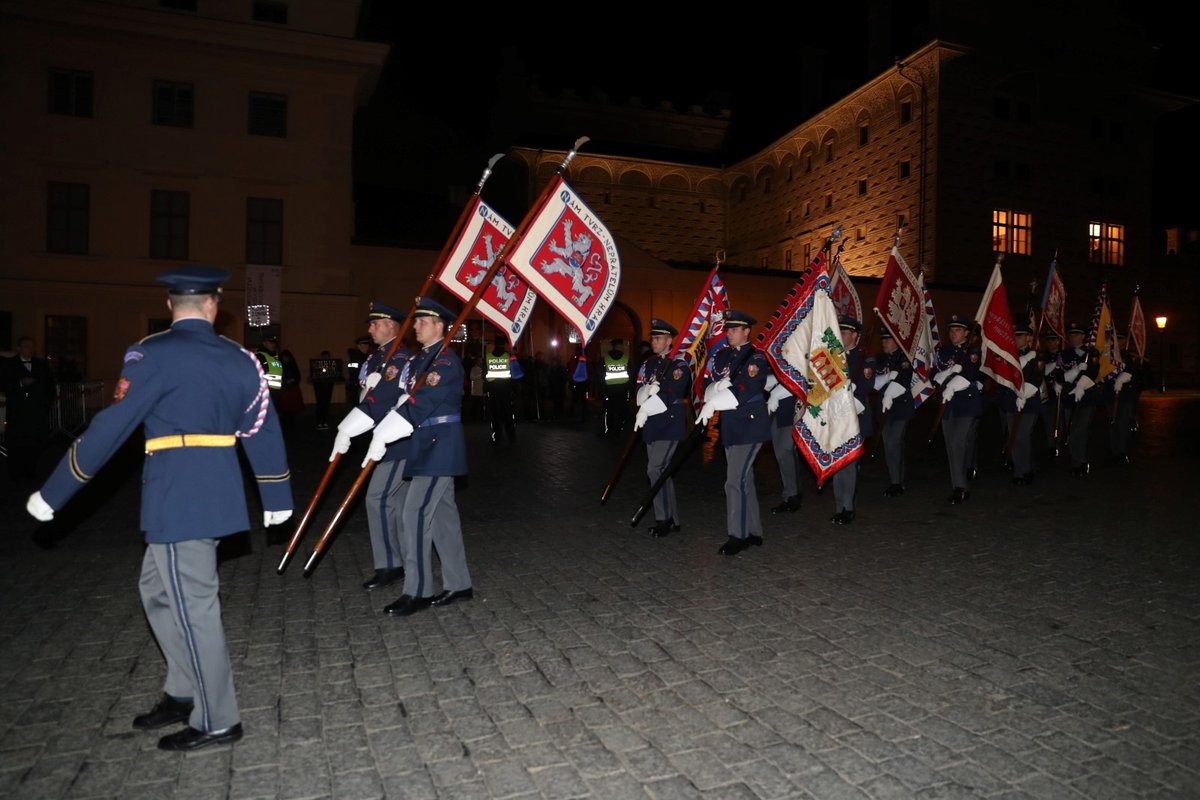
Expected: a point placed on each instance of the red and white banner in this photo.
(569, 257)
(842, 292)
(803, 344)
(1137, 328)
(705, 331)
(899, 304)
(998, 343)
(508, 302)
(1054, 303)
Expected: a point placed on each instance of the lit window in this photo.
(1012, 232)
(1106, 243)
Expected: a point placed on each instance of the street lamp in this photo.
(1161, 322)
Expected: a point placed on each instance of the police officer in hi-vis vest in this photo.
(616, 388)
(268, 356)
(664, 384)
(497, 383)
(197, 395)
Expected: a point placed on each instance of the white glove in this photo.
(715, 387)
(38, 508)
(956, 384)
(373, 380)
(276, 517)
(943, 376)
(391, 428)
(890, 394)
(882, 379)
(1028, 390)
(646, 391)
(1073, 373)
(778, 394)
(1082, 386)
(1050, 367)
(1030, 356)
(1121, 380)
(355, 422)
(653, 405)
(722, 400)
(859, 408)
(770, 383)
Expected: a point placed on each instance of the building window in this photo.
(807, 208)
(1011, 232)
(169, 224)
(789, 215)
(765, 262)
(864, 134)
(1021, 171)
(1024, 112)
(1106, 243)
(901, 221)
(703, 208)
(742, 194)
(650, 201)
(264, 230)
(828, 152)
(767, 185)
(172, 104)
(268, 114)
(791, 172)
(608, 199)
(806, 158)
(270, 12)
(181, 5)
(787, 260)
(70, 93)
(66, 341)
(807, 254)
(862, 187)
(67, 212)
(829, 200)
(1000, 168)
(906, 112)
(860, 233)
(904, 169)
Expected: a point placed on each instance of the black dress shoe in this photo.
(407, 604)
(1120, 458)
(895, 490)
(383, 577)
(662, 528)
(1081, 471)
(842, 518)
(191, 739)
(959, 496)
(448, 597)
(733, 546)
(973, 474)
(168, 711)
(754, 540)
(787, 506)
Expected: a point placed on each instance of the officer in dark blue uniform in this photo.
(1081, 395)
(1121, 394)
(197, 394)
(1051, 357)
(958, 375)
(861, 370)
(382, 374)
(737, 388)
(430, 414)
(663, 387)
(1023, 408)
(893, 381)
(781, 405)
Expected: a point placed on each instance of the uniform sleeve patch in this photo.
(391, 373)
(121, 390)
(677, 374)
(752, 370)
(433, 379)
(974, 357)
(134, 355)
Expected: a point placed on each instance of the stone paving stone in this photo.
(99, 779)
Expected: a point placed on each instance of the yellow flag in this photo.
(1106, 342)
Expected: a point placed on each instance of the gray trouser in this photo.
(180, 594)
(959, 433)
(431, 521)
(383, 514)
(1022, 448)
(1081, 421)
(845, 485)
(741, 496)
(893, 448)
(1118, 434)
(789, 460)
(658, 456)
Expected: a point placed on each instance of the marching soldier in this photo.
(616, 388)
(1023, 409)
(382, 374)
(1051, 357)
(197, 395)
(497, 381)
(781, 405)
(664, 384)
(1081, 395)
(962, 401)
(861, 372)
(736, 388)
(1122, 392)
(893, 380)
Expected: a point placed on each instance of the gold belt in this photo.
(190, 440)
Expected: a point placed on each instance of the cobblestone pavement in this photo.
(1034, 642)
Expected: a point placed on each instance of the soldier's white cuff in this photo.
(355, 422)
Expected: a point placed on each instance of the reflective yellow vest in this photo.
(497, 367)
(616, 370)
(273, 369)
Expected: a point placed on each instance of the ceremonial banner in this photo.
(508, 302)
(705, 331)
(1104, 337)
(569, 258)
(899, 304)
(802, 342)
(998, 344)
(1054, 303)
(841, 290)
(924, 355)
(1137, 328)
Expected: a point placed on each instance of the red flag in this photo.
(899, 304)
(1137, 328)
(705, 331)
(998, 344)
(1054, 303)
(841, 290)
